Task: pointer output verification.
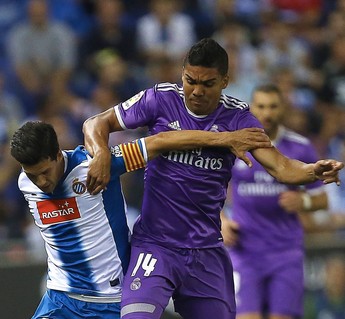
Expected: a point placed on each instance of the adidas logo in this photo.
(175, 125)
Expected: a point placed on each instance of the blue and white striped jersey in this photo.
(86, 236)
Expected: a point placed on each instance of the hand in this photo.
(328, 171)
(248, 139)
(230, 231)
(291, 201)
(98, 175)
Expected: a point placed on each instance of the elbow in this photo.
(86, 124)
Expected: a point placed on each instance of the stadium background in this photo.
(300, 45)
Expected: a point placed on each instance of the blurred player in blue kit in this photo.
(177, 245)
(86, 236)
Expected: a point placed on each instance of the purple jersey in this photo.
(265, 226)
(184, 190)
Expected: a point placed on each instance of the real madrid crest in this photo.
(78, 187)
(135, 284)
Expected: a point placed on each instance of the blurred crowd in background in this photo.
(64, 60)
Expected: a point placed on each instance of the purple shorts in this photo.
(269, 282)
(199, 280)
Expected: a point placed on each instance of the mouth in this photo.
(46, 189)
(197, 103)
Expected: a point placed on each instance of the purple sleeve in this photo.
(138, 111)
(246, 119)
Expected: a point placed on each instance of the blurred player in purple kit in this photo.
(265, 234)
(86, 236)
(177, 245)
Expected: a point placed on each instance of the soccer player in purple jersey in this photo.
(177, 245)
(264, 233)
(86, 236)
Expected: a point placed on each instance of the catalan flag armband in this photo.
(134, 154)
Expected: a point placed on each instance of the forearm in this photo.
(284, 169)
(183, 140)
(291, 171)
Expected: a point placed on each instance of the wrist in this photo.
(306, 201)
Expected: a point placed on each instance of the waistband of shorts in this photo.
(95, 299)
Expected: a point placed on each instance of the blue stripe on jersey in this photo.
(77, 156)
(115, 207)
(115, 210)
(68, 234)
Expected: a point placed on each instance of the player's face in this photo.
(269, 110)
(202, 88)
(46, 174)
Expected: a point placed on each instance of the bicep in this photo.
(109, 119)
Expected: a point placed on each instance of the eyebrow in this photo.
(202, 82)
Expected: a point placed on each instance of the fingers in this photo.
(246, 159)
(96, 184)
(329, 171)
(332, 180)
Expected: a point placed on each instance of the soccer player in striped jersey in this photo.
(177, 245)
(264, 234)
(86, 236)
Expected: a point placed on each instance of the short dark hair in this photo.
(33, 142)
(208, 53)
(268, 88)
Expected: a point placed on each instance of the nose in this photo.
(41, 181)
(198, 90)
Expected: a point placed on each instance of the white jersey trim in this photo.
(118, 116)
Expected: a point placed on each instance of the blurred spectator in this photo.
(115, 72)
(297, 7)
(162, 70)
(43, 55)
(329, 301)
(11, 111)
(165, 31)
(244, 72)
(296, 95)
(280, 47)
(112, 32)
(11, 114)
(334, 74)
(11, 12)
(73, 13)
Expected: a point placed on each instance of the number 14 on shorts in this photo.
(146, 262)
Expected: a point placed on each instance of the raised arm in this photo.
(291, 171)
(238, 142)
(96, 131)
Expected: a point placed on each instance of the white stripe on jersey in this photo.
(170, 87)
(232, 103)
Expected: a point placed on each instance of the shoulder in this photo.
(294, 137)
(76, 157)
(230, 102)
(169, 87)
(166, 92)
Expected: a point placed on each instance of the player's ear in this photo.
(225, 81)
